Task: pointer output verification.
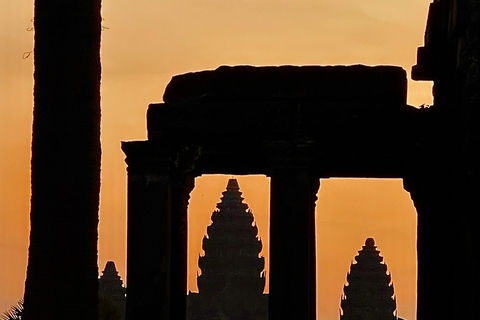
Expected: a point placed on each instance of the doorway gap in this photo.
(347, 212)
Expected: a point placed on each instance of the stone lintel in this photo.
(275, 102)
(289, 83)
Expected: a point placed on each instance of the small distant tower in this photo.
(369, 294)
(232, 280)
(111, 294)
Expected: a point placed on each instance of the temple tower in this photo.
(369, 294)
(111, 294)
(232, 276)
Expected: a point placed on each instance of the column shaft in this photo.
(292, 245)
(443, 243)
(181, 188)
(156, 234)
(148, 247)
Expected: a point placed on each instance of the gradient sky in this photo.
(149, 41)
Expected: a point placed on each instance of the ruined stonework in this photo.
(307, 123)
(293, 124)
(444, 184)
(232, 276)
(369, 294)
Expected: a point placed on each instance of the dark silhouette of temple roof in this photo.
(232, 276)
(369, 294)
(111, 294)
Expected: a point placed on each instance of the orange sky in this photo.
(147, 42)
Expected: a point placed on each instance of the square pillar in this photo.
(181, 186)
(156, 233)
(444, 245)
(292, 292)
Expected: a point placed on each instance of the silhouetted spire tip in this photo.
(232, 185)
(370, 242)
(110, 267)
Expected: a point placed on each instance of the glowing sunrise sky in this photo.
(149, 41)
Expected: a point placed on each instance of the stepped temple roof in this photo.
(369, 293)
(232, 276)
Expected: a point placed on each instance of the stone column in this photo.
(444, 277)
(292, 292)
(182, 185)
(156, 233)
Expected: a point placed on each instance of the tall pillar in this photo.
(156, 233)
(182, 185)
(444, 277)
(433, 270)
(292, 292)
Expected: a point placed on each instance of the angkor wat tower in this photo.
(111, 294)
(232, 276)
(369, 294)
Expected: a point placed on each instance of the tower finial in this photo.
(370, 242)
(233, 185)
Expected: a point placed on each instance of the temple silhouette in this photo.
(232, 277)
(300, 124)
(369, 294)
(296, 125)
(111, 294)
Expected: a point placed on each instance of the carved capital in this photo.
(153, 157)
(147, 157)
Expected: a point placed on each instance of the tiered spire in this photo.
(369, 293)
(111, 293)
(232, 248)
(232, 273)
